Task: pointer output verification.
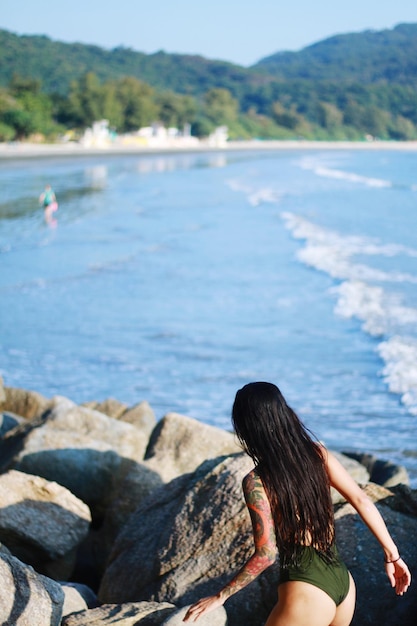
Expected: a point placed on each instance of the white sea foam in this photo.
(400, 371)
(381, 312)
(255, 196)
(327, 172)
(332, 253)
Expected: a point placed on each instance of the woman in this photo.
(49, 203)
(288, 497)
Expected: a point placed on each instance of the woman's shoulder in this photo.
(252, 480)
(323, 451)
(254, 491)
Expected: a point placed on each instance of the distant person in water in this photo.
(48, 200)
(288, 497)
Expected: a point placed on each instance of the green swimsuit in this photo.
(332, 578)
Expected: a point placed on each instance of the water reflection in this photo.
(171, 163)
(97, 176)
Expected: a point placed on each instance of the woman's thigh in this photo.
(302, 604)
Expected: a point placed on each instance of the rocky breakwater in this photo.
(110, 517)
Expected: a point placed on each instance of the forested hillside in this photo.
(349, 86)
(370, 57)
(57, 64)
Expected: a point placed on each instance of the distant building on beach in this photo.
(98, 136)
(154, 136)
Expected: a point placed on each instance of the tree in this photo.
(85, 104)
(376, 122)
(112, 108)
(137, 103)
(329, 116)
(20, 85)
(220, 107)
(175, 110)
(285, 118)
(21, 121)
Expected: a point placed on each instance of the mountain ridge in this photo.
(365, 57)
(369, 56)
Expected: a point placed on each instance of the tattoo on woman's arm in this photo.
(263, 534)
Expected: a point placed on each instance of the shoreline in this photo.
(31, 150)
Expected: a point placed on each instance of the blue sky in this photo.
(241, 31)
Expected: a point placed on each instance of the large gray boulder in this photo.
(179, 444)
(128, 614)
(28, 598)
(218, 617)
(81, 449)
(110, 407)
(23, 402)
(377, 603)
(140, 415)
(186, 540)
(2, 392)
(381, 472)
(358, 472)
(133, 490)
(8, 421)
(41, 522)
(77, 598)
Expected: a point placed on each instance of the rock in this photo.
(28, 598)
(133, 489)
(4, 550)
(83, 450)
(354, 467)
(376, 601)
(2, 392)
(218, 617)
(110, 407)
(12, 441)
(381, 472)
(8, 421)
(140, 415)
(129, 614)
(358, 472)
(402, 499)
(41, 522)
(28, 404)
(77, 598)
(204, 536)
(179, 444)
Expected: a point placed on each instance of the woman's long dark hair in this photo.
(291, 466)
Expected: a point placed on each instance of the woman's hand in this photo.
(399, 576)
(205, 605)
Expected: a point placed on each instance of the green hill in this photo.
(388, 56)
(56, 64)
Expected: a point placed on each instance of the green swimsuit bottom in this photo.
(332, 578)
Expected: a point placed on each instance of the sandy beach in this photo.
(30, 150)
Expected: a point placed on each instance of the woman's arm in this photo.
(397, 571)
(265, 548)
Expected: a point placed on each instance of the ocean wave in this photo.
(330, 252)
(328, 172)
(255, 196)
(400, 371)
(381, 313)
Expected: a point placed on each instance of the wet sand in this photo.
(28, 151)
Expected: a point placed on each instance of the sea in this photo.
(178, 278)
